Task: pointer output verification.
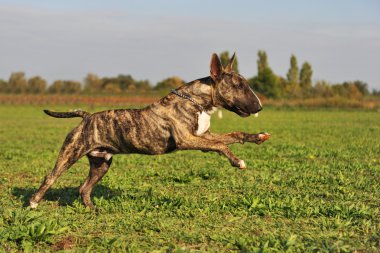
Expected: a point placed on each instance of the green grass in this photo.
(313, 187)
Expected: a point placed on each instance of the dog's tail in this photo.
(73, 114)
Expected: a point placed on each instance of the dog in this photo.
(178, 121)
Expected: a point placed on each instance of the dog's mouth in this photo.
(241, 112)
(238, 110)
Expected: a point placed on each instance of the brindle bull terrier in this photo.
(179, 121)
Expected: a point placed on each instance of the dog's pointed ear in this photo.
(230, 63)
(216, 68)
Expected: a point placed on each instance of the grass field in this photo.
(313, 187)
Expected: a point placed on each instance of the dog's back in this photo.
(128, 131)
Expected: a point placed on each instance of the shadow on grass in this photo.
(65, 196)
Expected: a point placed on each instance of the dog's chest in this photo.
(204, 121)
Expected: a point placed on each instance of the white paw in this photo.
(33, 204)
(242, 165)
(263, 136)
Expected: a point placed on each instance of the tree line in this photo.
(298, 83)
(19, 84)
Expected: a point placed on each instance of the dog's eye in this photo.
(240, 86)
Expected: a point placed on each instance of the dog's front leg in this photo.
(237, 137)
(199, 143)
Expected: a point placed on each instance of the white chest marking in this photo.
(204, 121)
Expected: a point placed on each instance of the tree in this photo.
(92, 83)
(362, 87)
(225, 59)
(56, 87)
(113, 81)
(36, 84)
(262, 62)
(266, 82)
(143, 85)
(3, 86)
(323, 89)
(293, 87)
(17, 82)
(339, 90)
(292, 75)
(67, 87)
(375, 92)
(353, 90)
(306, 78)
(169, 83)
(71, 87)
(112, 87)
(125, 81)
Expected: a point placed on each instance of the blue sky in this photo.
(156, 39)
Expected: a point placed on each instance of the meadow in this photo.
(313, 187)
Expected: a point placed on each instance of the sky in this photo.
(157, 39)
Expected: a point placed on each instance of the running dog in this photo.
(178, 121)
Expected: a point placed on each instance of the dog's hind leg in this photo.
(72, 150)
(61, 165)
(98, 168)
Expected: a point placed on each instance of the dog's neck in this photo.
(202, 91)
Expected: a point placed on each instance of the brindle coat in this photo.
(172, 123)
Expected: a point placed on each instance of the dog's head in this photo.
(231, 90)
